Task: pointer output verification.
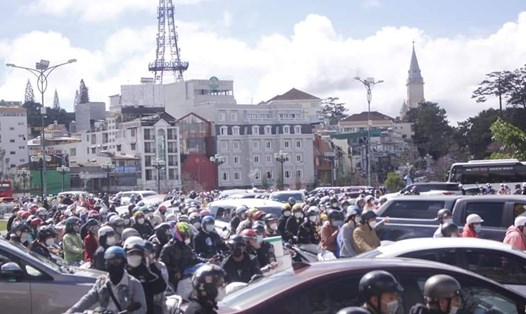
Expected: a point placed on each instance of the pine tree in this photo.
(56, 102)
(30, 96)
(83, 93)
(77, 99)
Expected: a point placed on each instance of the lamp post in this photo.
(281, 157)
(41, 72)
(84, 176)
(158, 164)
(108, 167)
(41, 160)
(217, 160)
(63, 170)
(24, 173)
(369, 83)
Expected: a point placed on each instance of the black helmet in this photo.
(335, 215)
(441, 287)
(237, 240)
(368, 215)
(46, 232)
(164, 232)
(205, 281)
(353, 310)
(292, 200)
(443, 213)
(376, 282)
(449, 229)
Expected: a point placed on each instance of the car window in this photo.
(442, 256)
(519, 209)
(490, 212)
(416, 209)
(500, 266)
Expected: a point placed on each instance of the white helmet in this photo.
(133, 243)
(520, 221)
(105, 230)
(474, 219)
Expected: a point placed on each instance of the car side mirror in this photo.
(11, 271)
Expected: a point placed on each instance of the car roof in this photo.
(434, 182)
(249, 202)
(419, 244)
(287, 192)
(495, 197)
(425, 197)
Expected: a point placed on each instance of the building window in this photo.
(255, 130)
(233, 116)
(132, 132)
(171, 174)
(235, 130)
(222, 116)
(255, 144)
(298, 173)
(298, 158)
(269, 158)
(224, 176)
(287, 174)
(12, 128)
(73, 152)
(11, 141)
(172, 134)
(147, 161)
(119, 148)
(149, 174)
(235, 145)
(256, 159)
(223, 130)
(286, 144)
(224, 145)
(298, 144)
(297, 129)
(236, 160)
(286, 129)
(237, 176)
(133, 146)
(268, 130)
(268, 144)
(12, 153)
(269, 174)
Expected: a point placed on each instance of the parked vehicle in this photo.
(429, 188)
(224, 209)
(492, 259)
(72, 193)
(126, 195)
(414, 216)
(326, 287)
(283, 196)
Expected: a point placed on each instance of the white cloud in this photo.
(227, 19)
(372, 3)
(315, 58)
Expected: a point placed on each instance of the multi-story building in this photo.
(87, 113)
(13, 139)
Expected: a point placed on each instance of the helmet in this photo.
(182, 231)
(249, 233)
(353, 210)
(133, 243)
(376, 282)
(206, 280)
(312, 211)
(353, 310)
(35, 222)
(163, 232)
(285, 207)
(93, 214)
(258, 215)
(258, 226)
(182, 218)
(335, 215)
(448, 229)
(106, 231)
(292, 200)
(205, 213)
(114, 252)
(148, 247)
(208, 220)
(194, 217)
(474, 219)
(241, 209)
(520, 221)
(116, 222)
(46, 232)
(162, 209)
(441, 287)
(269, 217)
(237, 240)
(444, 212)
(138, 214)
(368, 215)
(296, 207)
(369, 198)
(128, 232)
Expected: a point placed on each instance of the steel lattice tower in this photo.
(165, 17)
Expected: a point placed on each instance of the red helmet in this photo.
(249, 233)
(258, 215)
(162, 209)
(33, 208)
(35, 222)
(204, 213)
(25, 215)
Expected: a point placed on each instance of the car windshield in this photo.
(284, 197)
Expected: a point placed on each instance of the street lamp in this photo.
(281, 157)
(63, 170)
(41, 72)
(217, 160)
(369, 83)
(41, 160)
(108, 167)
(24, 173)
(158, 164)
(84, 176)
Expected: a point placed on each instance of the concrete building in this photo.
(311, 104)
(86, 114)
(415, 86)
(13, 139)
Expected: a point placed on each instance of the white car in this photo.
(126, 195)
(492, 259)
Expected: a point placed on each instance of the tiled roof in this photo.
(375, 116)
(294, 94)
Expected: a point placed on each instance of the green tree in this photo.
(29, 94)
(512, 140)
(504, 84)
(83, 93)
(394, 182)
(432, 131)
(56, 102)
(77, 99)
(333, 109)
(474, 135)
(34, 118)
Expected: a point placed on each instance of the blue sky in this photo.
(265, 46)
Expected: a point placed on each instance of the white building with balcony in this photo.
(13, 139)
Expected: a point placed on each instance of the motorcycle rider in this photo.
(473, 226)
(259, 248)
(207, 243)
(380, 291)
(106, 238)
(117, 291)
(365, 237)
(515, 234)
(271, 225)
(239, 215)
(286, 211)
(443, 216)
(208, 283)
(442, 294)
(240, 266)
(71, 242)
(449, 230)
(329, 231)
(345, 237)
(45, 238)
(293, 223)
(90, 240)
(163, 234)
(308, 232)
(142, 225)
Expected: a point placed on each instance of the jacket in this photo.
(346, 244)
(292, 227)
(208, 244)
(282, 222)
(243, 271)
(73, 247)
(152, 284)
(420, 308)
(145, 229)
(515, 237)
(90, 246)
(98, 262)
(308, 233)
(265, 254)
(129, 290)
(365, 239)
(200, 307)
(468, 232)
(328, 235)
(177, 256)
(40, 249)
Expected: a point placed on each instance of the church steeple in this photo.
(415, 76)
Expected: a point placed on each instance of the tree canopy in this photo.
(83, 93)
(333, 109)
(510, 85)
(512, 140)
(29, 94)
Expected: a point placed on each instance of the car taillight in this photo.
(448, 193)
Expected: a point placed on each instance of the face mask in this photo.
(187, 241)
(221, 292)
(126, 221)
(392, 307)
(453, 310)
(313, 218)
(110, 241)
(197, 225)
(134, 260)
(274, 226)
(115, 272)
(259, 238)
(140, 220)
(334, 204)
(286, 213)
(372, 224)
(76, 228)
(478, 228)
(357, 219)
(210, 228)
(50, 241)
(297, 214)
(237, 252)
(449, 220)
(337, 223)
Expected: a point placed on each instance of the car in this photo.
(326, 287)
(72, 193)
(29, 283)
(430, 188)
(126, 195)
(225, 209)
(492, 259)
(283, 196)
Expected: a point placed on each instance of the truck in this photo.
(415, 216)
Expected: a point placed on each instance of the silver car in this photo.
(30, 283)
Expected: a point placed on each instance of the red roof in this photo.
(294, 94)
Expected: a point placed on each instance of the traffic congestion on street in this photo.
(352, 249)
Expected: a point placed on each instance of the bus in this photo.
(6, 191)
(475, 173)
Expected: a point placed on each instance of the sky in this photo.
(268, 47)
